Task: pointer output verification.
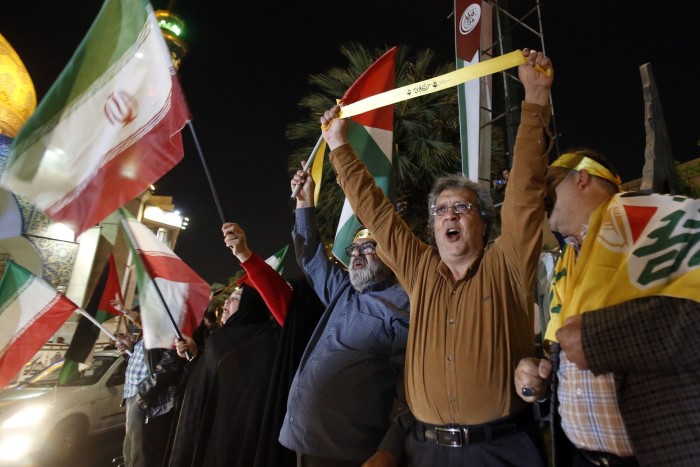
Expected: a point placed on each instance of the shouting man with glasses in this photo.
(471, 306)
(346, 400)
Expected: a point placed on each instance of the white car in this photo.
(43, 418)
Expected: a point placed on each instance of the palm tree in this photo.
(426, 134)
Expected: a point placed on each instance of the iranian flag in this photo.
(275, 261)
(100, 308)
(371, 135)
(31, 311)
(109, 126)
(170, 292)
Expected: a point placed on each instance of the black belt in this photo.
(604, 459)
(462, 435)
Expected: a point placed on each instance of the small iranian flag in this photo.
(371, 134)
(31, 311)
(109, 126)
(163, 279)
(275, 261)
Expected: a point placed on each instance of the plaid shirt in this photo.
(136, 370)
(590, 415)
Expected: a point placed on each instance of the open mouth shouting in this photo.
(358, 262)
(452, 234)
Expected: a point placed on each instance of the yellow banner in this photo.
(439, 83)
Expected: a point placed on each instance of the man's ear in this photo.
(583, 179)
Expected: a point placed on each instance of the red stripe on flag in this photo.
(368, 85)
(170, 268)
(112, 290)
(35, 334)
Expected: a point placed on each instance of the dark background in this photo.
(249, 62)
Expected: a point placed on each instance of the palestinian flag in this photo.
(371, 134)
(100, 308)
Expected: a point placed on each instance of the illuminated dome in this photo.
(17, 96)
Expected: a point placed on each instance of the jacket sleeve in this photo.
(270, 285)
(324, 277)
(648, 334)
(522, 212)
(166, 373)
(398, 248)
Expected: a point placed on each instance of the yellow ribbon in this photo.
(439, 83)
(575, 161)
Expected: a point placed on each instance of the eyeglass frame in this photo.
(370, 246)
(467, 209)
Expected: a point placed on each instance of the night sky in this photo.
(249, 63)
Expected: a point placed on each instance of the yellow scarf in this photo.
(636, 246)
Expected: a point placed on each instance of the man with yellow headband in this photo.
(471, 306)
(339, 410)
(625, 312)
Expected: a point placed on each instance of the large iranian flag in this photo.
(109, 126)
(371, 135)
(31, 311)
(170, 292)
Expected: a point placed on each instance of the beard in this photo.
(371, 273)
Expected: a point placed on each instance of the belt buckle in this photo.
(448, 437)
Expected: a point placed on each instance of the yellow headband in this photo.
(575, 161)
(364, 233)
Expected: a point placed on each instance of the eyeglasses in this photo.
(368, 248)
(457, 208)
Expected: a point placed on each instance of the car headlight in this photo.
(13, 448)
(28, 416)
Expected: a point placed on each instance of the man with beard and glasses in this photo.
(339, 411)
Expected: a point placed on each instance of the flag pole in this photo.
(214, 193)
(102, 328)
(308, 164)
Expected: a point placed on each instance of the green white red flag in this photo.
(109, 126)
(162, 278)
(371, 135)
(276, 262)
(31, 311)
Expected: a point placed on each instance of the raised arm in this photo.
(522, 213)
(398, 248)
(274, 290)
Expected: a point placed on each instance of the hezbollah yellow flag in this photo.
(636, 246)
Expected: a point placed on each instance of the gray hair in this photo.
(459, 182)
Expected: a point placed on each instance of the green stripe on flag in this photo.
(98, 57)
(13, 283)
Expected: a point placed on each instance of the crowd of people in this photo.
(423, 354)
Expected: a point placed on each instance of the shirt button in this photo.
(452, 321)
(449, 358)
(291, 419)
(579, 391)
(454, 292)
